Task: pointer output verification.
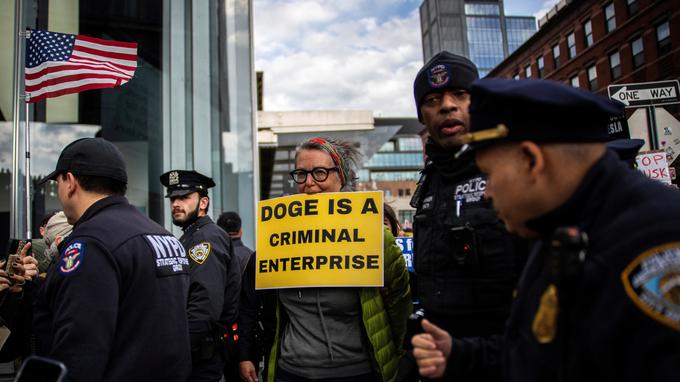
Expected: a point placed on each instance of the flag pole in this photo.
(27, 141)
(15, 226)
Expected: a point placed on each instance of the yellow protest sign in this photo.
(320, 240)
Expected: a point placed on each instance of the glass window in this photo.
(485, 40)
(588, 33)
(540, 65)
(387, 147)
(663, 38)
(615, 65)
(592, 78)
(556, 55)
(574, 81)
(395, 160)
(410, 144)
(183, 108)
(527, 71)
(571, 45)
(392, 176)
(610, 17)
(632, 7)
(638, 52)
(515, 76)
(482, 9)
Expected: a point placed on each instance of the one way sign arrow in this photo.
(645, 94)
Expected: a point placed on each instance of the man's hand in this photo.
(29, 263)
(431, 349)
(247, 371)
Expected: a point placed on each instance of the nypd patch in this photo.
(439, 75)
(200, 252)
(652, 281)
(170, 256)
(72, 258)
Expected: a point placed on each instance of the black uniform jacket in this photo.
(113, 306)
(466, 262)
(620, 319)
(215, 279)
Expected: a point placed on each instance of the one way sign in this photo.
(645, 93)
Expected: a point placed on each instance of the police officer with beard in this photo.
(467, 264)
(214, 270)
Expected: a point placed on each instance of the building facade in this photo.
(188, 106)
(395, 168)
(592, 44)
(479, 30)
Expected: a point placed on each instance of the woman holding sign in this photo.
(339, 334)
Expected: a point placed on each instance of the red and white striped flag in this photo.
(59, 63)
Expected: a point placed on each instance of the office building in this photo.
(479, 30)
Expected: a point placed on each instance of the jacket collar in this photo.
(200, 222)
(100, 205)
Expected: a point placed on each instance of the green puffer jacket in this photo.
(384, 313)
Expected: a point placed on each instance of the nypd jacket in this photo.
(113, 305)
(619, 317)
(215, 279)
(466, 263)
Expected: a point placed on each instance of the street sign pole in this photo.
(651, 128)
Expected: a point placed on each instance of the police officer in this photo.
(113, 305)
(599, 298)
(230, 222)
(215, 272)
(466, 263)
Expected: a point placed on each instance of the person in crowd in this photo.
(113, 304)
(391, 221)
(467, 264)
(17, 288)
(56, 229)
(230, 222)
(339, 334)
(237, 365)
(598, 300)
(38, 246)
(214, 269)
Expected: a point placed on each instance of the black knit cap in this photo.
(90, 157)
(444, 71)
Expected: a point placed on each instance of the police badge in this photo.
(439, 75)
(200, 252)
(173, 178)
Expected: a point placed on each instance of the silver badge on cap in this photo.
(173, 178)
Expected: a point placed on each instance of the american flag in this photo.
(59, 63)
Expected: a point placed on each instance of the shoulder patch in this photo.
(652, 281)
(200, 252)
(72, 258)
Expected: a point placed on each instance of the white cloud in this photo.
(338, 55)
(545, 8)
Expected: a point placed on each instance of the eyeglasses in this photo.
(319, 174)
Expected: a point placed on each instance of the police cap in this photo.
(444, 71)
(183, 182)
(537, 110)
(90, 157)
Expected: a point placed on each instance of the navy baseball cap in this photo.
(536, 110)
(444, 71)
(183, 182)
(90, 157)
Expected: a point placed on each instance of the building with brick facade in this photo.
(594, 43)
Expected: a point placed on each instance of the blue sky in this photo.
(345, 54)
